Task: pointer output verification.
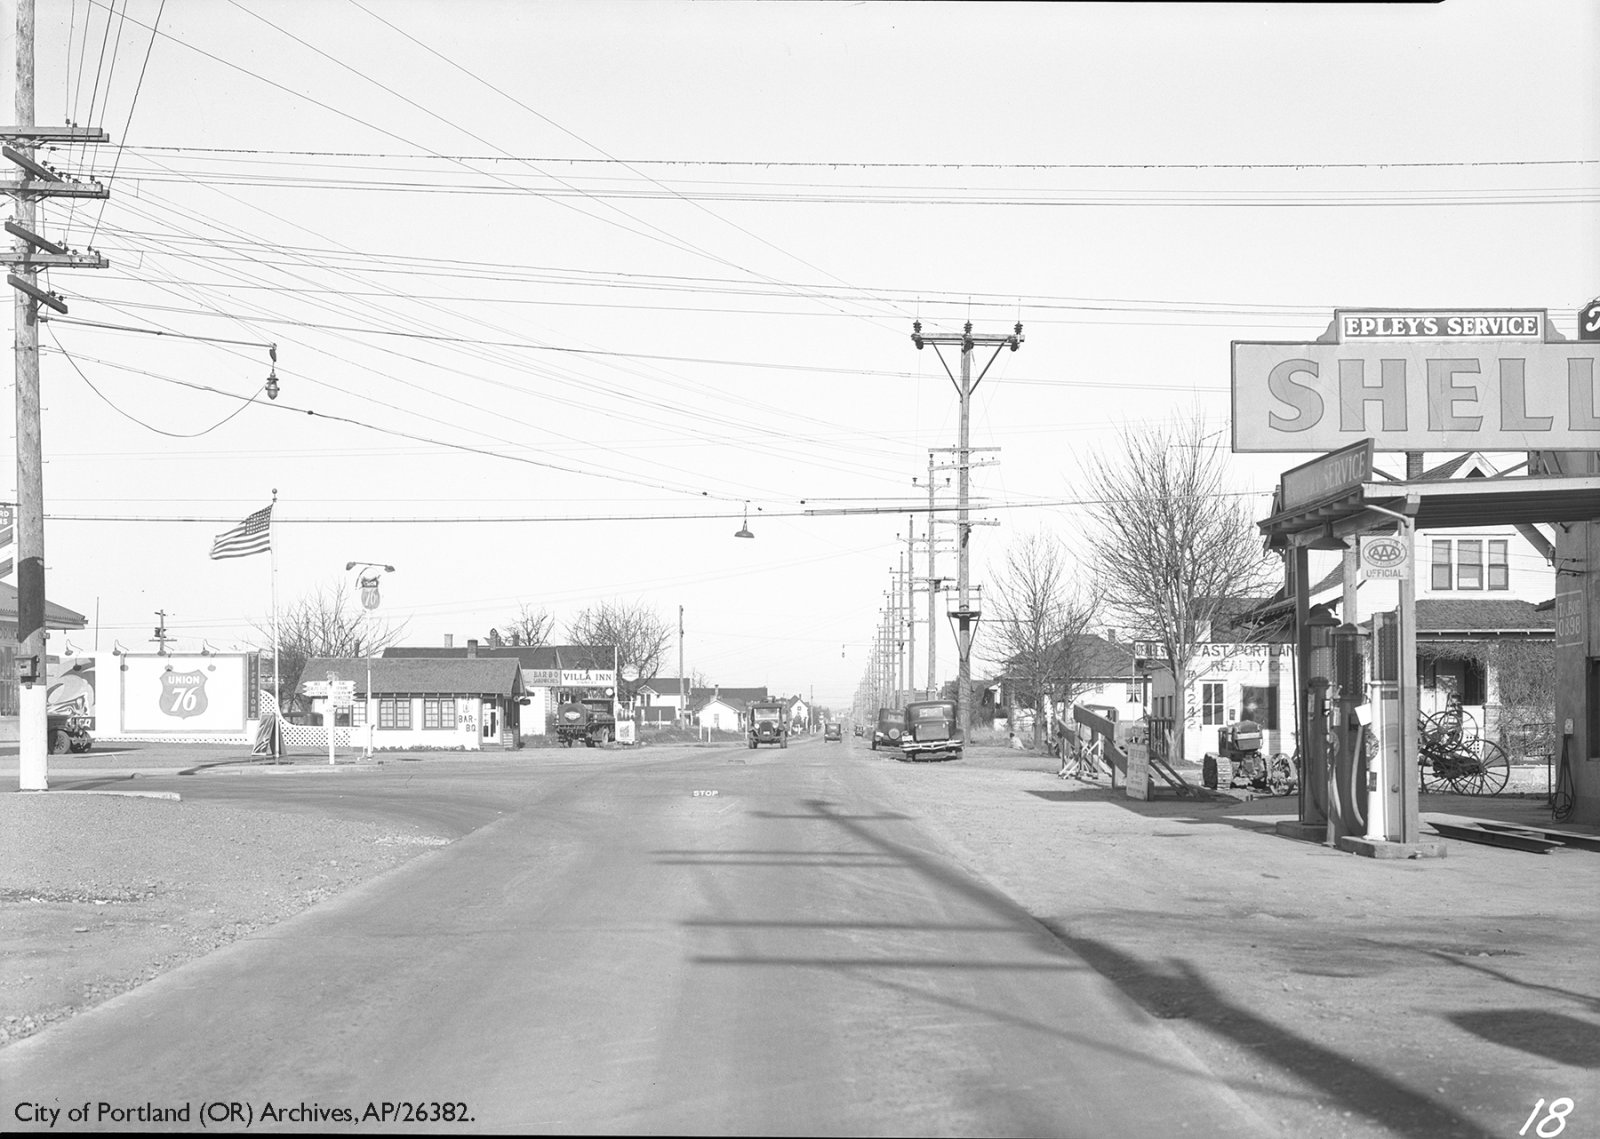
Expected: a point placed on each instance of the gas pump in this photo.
(1383, 777)
(1348, 735)
(1316, 784)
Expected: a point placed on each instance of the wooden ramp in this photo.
(1106, 729)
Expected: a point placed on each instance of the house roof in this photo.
(736, 698)
(1440, 615)
(55, 616)
(528, 656)
(407, 675)
(1446, 469)
(1094, 656)
(665, 685)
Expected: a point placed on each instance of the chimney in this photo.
(449, 640)
(472, 648)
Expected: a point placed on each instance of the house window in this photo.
(358, 714)
(394, 714)
(1260, 705)
(1441, 565)
(438, 713)
(1469, 565)
(1211, 702)
(1499, 565)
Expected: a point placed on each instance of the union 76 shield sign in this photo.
(183, 694)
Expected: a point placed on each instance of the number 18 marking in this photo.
(1559, 1110)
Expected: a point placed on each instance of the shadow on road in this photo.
(1171, 989)
(1555, 1036)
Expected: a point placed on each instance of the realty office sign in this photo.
(1420, 380)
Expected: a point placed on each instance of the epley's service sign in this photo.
(1420, 380)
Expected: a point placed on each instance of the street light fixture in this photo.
(744, 528)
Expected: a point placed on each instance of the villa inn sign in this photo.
(1420, 380)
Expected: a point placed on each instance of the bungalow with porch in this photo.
(724, 709)
(454, 703)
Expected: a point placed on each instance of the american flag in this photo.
(252, 536)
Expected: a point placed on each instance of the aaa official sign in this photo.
(1384, 556)
(1436, 380)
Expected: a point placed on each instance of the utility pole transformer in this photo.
(30, 254)
(966, 616)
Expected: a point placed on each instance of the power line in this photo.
(132, 104)
(824, 164)
(907, 506)
(128, 415)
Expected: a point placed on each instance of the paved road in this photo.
(695, 941)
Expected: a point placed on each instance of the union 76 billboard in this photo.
(1436, 380)
(183, 694)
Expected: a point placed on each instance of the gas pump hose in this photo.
(1561, 799)
(1355, 818)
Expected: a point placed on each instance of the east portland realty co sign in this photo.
(1419, 380)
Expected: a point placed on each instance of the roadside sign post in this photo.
(340, 694)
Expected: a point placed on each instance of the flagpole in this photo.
(277, 691)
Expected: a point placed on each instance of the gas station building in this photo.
(1420, 382)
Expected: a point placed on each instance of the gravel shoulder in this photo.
(1342, 995)
(102, 892)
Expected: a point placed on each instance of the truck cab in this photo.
(768, 724)
(586, 719)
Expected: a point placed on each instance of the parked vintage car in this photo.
(930, 731)
(890, 727)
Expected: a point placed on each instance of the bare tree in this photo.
(530, 628)
(325, 623)
(1178, 555)
(640, 634)
(1037, 620)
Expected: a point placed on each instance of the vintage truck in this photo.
(768, 723)
(591, 721)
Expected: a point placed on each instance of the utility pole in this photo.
(895, 598)
(966, 616)
(161, 637)
(911, 613)
(32, 253)
(683, 685)
(934, 583)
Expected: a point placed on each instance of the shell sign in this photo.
(1420, 380)
(1385, 556)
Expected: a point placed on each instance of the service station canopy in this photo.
(1418, 380)
(1502, 501)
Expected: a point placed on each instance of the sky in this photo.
(564, 294)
